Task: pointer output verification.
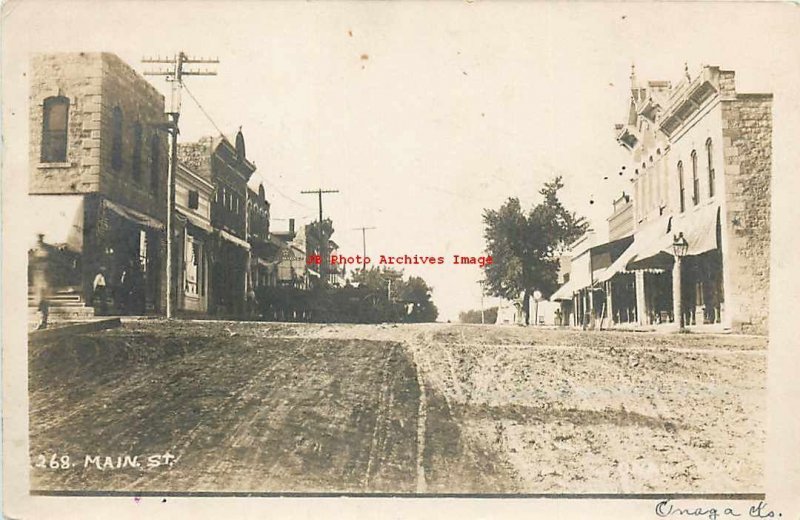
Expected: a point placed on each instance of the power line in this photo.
(211, 120)
(286, 196)
(203, 110)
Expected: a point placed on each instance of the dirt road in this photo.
(208, 406)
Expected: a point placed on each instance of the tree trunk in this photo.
(526, 306)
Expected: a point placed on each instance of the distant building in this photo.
(97, 183)
(291, 269)
(261, 253)
(583, 298)
(621, 221)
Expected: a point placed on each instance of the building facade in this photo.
(97, 182)
(229, 170)
(261, 253)
(700, 154)
(193, 195)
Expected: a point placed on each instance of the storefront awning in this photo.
(133, 215)
(59, 218)
(233, 239)
(266, 263)
(645, 236)
(564, 292)
(699, 228)
(196, 221)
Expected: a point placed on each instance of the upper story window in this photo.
(711, 176)
(695, 180)
(136, 157)
(194, 199)
(155, 159)
(54, 129)
(116, 138)
(681, 188)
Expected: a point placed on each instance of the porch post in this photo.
(676, 292)
(641, 303)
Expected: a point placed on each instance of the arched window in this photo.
(136, 158)
(695, 180)
(155, 164)
(681, 188)
(54, 129)
(711, 177)
(116, 138)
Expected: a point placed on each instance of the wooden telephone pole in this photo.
(174, 74)
(322, 242)
(364, 244)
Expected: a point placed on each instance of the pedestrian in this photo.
(44, 309)
(99, 291)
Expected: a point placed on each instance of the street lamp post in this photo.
(679, 248)
(536, 297)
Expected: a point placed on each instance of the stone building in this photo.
(227, 166)
(97, 180)
(701, 157)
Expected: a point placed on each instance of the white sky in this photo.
(458, 106)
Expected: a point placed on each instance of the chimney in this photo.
(291, 226)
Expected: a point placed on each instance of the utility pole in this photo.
(322, 245)
(483, 318)
(364, 244)
(174, 74)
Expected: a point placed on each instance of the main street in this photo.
(435, 408)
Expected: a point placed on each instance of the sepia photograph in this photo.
(432, 258)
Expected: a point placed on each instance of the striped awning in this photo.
(647, 234)
(699, 228)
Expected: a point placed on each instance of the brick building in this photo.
(97, 181)
(262, 253)
(701, 158)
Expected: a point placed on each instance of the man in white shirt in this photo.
(99, 291)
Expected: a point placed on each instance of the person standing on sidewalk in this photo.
(99, 291)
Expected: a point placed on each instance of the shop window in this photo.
(116, 138)
(54, 129)
(681, 188)
(194, 199)
(711, 176)
(155, 159)
(136, 158)
(695, 180)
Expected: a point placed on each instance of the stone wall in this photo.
(95, 83)
(78, 77)
(747, 141)
(140, 103)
